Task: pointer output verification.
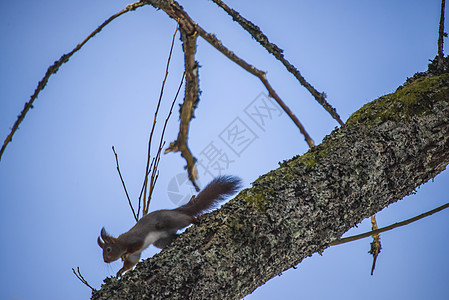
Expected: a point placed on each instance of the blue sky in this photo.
(58, 183)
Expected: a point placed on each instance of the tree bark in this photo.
(384, 151)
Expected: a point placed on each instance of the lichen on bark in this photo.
(385, 150)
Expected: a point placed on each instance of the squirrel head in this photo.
(112, 250)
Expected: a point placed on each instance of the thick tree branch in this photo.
(385, 150)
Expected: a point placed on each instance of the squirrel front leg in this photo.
(134, 246)
(129, 262)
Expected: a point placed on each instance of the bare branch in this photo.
(161, 144)
(171, 109)
(441, 33)
(260, 37)
(146, 202)
(55, 67)
(81, 278)
(155, 173)
(259, 74)
(186, 23)
(136, 217)
(390, 227)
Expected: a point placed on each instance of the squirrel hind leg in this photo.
(163, 242)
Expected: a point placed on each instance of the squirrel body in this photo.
(160, 227)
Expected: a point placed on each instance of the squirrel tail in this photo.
(209, 197)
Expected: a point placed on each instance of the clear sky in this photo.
(58, 183)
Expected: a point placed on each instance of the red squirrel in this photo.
(159, 227)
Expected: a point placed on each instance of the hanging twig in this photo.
(55, 67)
(191, 98)
(136, 217)
(375, 244)
(387, 228)
(260, 37)
(81, 278)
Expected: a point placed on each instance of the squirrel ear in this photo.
(100, 243)
(105, 236)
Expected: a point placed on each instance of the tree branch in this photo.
(81, 278)
(262, 39)
(191, 99)
(441, 33)
(153, 167)
(55, 67)
(385, 150)
(190, 28)
(390, 227)
(259, 74)
(136, 216)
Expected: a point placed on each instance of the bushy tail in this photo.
(215, 192)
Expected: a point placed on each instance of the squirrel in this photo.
(160, 227)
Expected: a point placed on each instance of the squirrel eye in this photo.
(108, 249)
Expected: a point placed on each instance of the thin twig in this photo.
(124, 186)
(154, 177)
(161, 145)
(441, 33)
(171, 110)
(387, 228)
(146, 203)
(260, 37)
(375, 244)
(55, 67)
(81, 278)
(155, 172)
(143, 186)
